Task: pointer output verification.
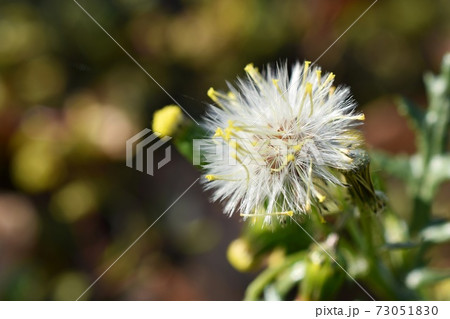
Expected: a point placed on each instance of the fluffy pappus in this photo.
(278, 141)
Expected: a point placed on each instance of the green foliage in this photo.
(425, 171)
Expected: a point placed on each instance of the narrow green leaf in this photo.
(397, 246)
(412, 112)
(425, 276)
(438, 116)
(438, 233)
(268, 276)
(290, 277)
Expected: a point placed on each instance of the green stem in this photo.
(421, 213)
(366, 222)
(379, 277)
(256, 288)
(381, 280)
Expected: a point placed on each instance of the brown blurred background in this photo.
(70, 98)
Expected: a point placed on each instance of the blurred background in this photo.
(70, 98)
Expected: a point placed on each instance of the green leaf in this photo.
(433, 146)
(290, 277)
(268, 276)
(412, 112)
(425, 276)
(439, 169)
(437, 119)
(397, 166)
(438, 233)
(397, 246)
(285, 281)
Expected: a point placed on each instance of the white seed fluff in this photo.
(278, 140)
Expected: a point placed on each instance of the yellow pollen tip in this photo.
(297, 147)
(332, 89)
(253, 73)
(319, 76)
(275, 83)
(231, 95)
(361, 117)
(249, 68)
(330, 78)
(210, 177)
(290, 158)
(228, 132)
(308, 207)
(320, 197)
(290, 213)
(218, 132)
(212, 94)
(167, 120)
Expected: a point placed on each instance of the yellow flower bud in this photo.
(167, 120)
(240, 256)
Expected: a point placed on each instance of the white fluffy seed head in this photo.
(277, 141)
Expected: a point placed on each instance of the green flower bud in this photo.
(360, 183)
